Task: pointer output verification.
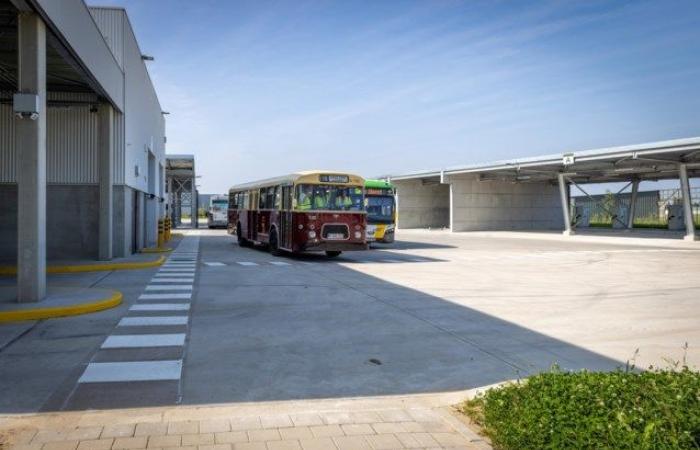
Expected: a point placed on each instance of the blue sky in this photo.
(261, 88)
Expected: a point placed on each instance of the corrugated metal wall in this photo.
(647, 205)
(8, 151)
(71, 141)
(111, 24)
(119, 156)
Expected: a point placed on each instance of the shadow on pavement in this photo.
(300, 331)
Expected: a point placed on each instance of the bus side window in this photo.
(277, 198)
(270, 198)
(261, 198)
(284, 198)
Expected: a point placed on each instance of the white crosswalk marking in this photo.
(132, 371)
(246, 263)
(144, 340)
(172, 280)
(168, 287)
(279, 263)
(172, 275)
(149, 321)
(214, 264)
(164, 296)
(160, 307)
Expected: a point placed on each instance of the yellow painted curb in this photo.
(101, 267)
(156, 250)
(61, 311)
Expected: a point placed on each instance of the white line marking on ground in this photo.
(391, 261)
(174, 295)
(168, 287)
(173, 275)
(144, 340)
(147, 321)
(214, 264)
(168, 269)
(279, 263)
(172, 280)
(160, 307)
(132, 371)
(246, 263)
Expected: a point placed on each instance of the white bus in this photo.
(217, 215)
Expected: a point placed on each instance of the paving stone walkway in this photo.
(221, 428)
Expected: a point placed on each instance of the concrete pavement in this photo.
(421, 321)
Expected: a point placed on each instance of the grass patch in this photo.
(656, 409)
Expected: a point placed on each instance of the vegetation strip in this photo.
(62, 311)
(655, 409)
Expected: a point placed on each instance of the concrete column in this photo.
(140, 221)
(687, 204)
(633, 204)
(452, 208)
(31, 175)
(194, 221)
(106, 151)
(564, 194)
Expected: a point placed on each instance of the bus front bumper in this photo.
(330, 246)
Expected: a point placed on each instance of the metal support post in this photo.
(690, 234)
(565, 204)
(633, 204)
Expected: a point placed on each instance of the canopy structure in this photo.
(673, 159)
(180, 180)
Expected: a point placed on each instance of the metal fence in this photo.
(650, 206)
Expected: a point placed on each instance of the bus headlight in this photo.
(358, 235)
(312, 234)
(301, 227)
(312, 227)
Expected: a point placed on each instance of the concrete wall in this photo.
(71, 221)
(498, 205)
(422, 205)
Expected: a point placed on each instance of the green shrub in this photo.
(657, 409)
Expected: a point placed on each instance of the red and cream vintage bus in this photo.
(301, 212)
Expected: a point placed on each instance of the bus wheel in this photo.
(332, 253)
(274, 245)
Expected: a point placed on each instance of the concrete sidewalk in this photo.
(369, 423)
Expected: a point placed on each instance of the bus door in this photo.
(286, 218)
(253, 216)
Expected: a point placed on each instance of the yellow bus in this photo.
(380, 204)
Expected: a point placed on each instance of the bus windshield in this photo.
(219, 205)
(380, 208)
(315, 197)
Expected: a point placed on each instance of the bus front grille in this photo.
(335, 231)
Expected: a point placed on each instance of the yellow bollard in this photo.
(167, 229)
(161, 232)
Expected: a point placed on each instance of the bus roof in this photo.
(378, 184)
(307, 176)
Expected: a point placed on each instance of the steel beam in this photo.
(690, 234)
(565, 204)
(633, 204)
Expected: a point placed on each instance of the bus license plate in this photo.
(335, 236)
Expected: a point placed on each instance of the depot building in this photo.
(82, 138)
(535, 193)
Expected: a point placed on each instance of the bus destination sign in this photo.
(334, 178)
(375, 191)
